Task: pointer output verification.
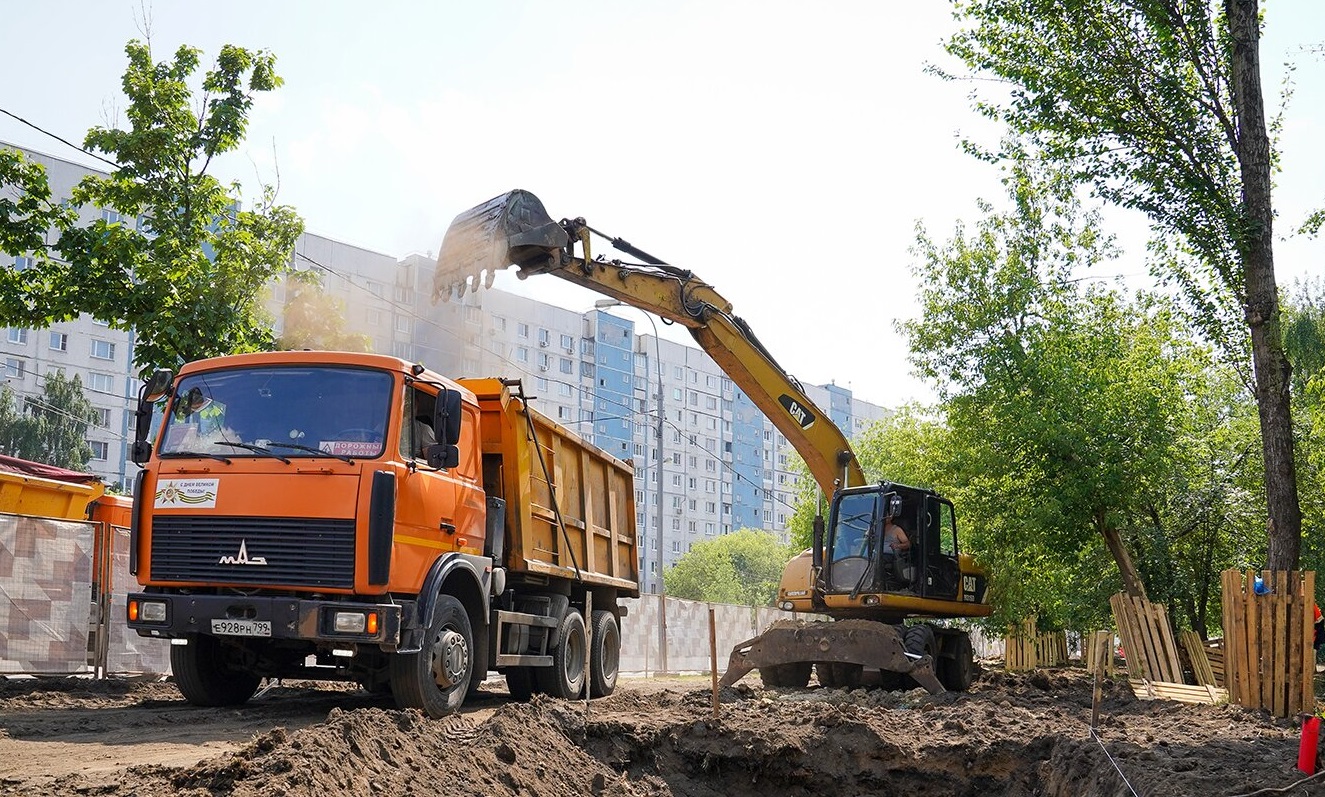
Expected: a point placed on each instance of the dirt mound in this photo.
(1013, 734)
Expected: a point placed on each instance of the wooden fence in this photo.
(1269, 661)
(1026, 649)
(1147, 639)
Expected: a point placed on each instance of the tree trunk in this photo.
(1131, 580)
(1261, 298)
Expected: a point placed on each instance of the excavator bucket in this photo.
(512, 229)
(862, 642)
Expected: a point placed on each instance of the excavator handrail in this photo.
(515, 229)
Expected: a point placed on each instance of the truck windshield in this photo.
(290, 411)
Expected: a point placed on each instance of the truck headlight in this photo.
(350, 622)
(147, 611)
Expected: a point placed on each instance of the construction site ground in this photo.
(1013, 734)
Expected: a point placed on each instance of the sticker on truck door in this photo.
(186, 493)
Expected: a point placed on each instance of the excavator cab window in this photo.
(942, 575)
(855, 522)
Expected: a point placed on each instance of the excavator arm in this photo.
(515, 229)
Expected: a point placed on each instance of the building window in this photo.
(22, 263)
(402, 325)
(522, 329)
(103, 350)
(101, 383)
(373, 317)
(100, 450)
(103, 417)
(522, 354)
(473, 315)
(59, 341)
(375, 288)
(568, 343)
(563, 389)
(19, 336)
(14, 368)
(567, 365)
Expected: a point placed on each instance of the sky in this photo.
(783, 151)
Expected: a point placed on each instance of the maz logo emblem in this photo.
(243, 558)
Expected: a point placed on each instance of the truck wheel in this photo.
(919, 640)
(838, 675)
(204, 675)
(605, 659)
(565, 678)
(795, 675)
(520, 683)
(957, 666)
(436, 678)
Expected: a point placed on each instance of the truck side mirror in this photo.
(442, 456)
(446, 416)
(154, 388)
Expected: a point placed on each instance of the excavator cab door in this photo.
(938, 544)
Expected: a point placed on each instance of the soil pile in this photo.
(1013, 734)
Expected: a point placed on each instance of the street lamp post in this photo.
(662, 588)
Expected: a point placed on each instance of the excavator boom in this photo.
(515, 229)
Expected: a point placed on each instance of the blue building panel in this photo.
(613, 383)
(750, 470)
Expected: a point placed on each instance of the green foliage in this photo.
(314, 320)
(183, 265)
(52, 429)
(743, 567)
(1138, 100)
(1069, 412)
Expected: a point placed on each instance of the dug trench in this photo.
(1012, 734)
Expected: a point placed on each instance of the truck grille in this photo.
(290, 552)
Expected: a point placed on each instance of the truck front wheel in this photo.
(205, 674)
(436, 678)
(565, 678)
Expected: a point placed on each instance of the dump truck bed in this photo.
(570, 506)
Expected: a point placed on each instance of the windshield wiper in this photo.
(217, 457)
(311, 450)
(251, 447)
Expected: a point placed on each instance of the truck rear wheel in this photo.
(605, 659)
(520, 683)
(436, 678)
(205, 675)
(565, 678)
(957, 664)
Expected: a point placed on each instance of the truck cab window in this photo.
(416, 432)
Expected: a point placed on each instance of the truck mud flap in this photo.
(862, 642)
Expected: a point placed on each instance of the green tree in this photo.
(314, 320)
(1157, 104)
(180, 263)
(1065, 402)
(51, 429)
(743, 567)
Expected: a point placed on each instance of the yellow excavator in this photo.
(888, 553)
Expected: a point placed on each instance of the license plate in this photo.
(242, 627)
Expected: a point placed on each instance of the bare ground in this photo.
(1012, 734)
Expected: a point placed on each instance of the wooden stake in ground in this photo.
(713, 658)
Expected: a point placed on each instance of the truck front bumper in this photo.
(169, 615)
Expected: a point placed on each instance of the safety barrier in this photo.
(1269, 662)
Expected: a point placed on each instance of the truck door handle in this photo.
(449, 528)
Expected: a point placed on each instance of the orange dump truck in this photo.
(338, 516)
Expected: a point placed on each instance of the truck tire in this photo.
(520, 683)
(565, 678)
(795, 675)
(205, 677)
(919, 640)
(605, 656)
(838, 675)
(957, 664)
(436, 678)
